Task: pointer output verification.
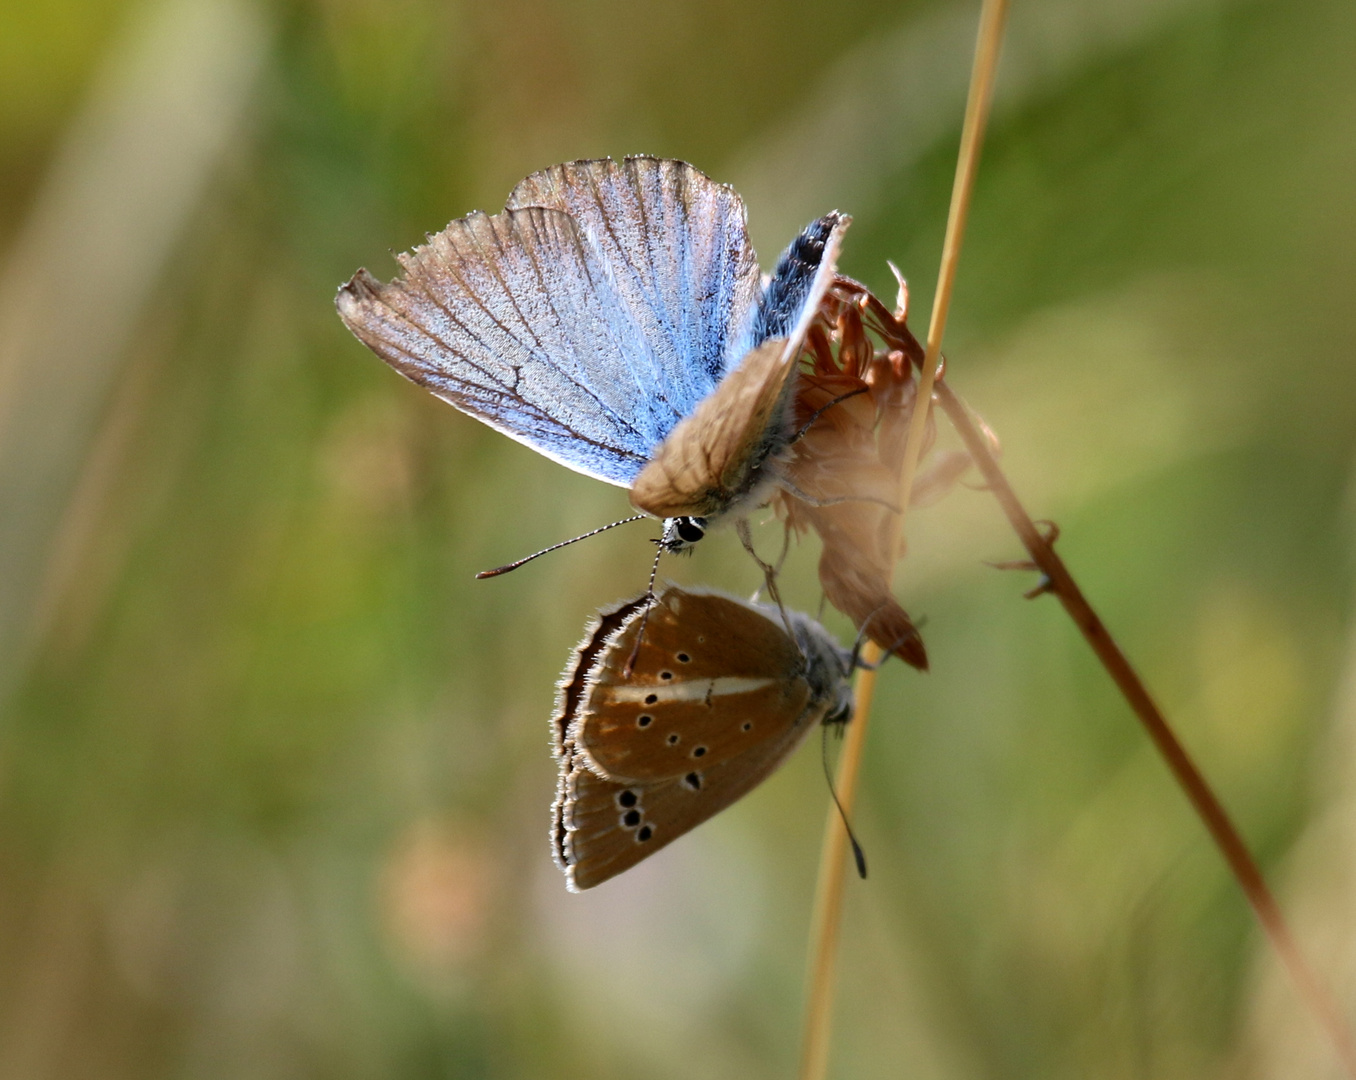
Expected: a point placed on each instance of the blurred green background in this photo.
(274, 770)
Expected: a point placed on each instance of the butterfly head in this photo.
(828, 669)
(681, 533)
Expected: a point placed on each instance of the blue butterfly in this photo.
(613, 318)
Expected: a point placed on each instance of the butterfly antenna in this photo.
(858, 662)
(564, 543)
(858, 855)
(645, 618)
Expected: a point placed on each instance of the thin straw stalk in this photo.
(1057, 580)
(827, 916)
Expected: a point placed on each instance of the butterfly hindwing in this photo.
(603, 827)
(713, 457)
(605, 820)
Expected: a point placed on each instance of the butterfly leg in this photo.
(781, 561)
(810, 500)
(769, 572)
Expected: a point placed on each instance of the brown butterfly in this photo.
(719, 696)
(612, 317)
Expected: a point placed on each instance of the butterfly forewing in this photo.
(572, 685)
(676, 244)
(514, 319)
(612, 316)
(713, 677)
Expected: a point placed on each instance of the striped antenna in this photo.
(564, 543)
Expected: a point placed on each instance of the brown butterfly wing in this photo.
(713, 678)
(602, 827)
(713, 456)
(569, 694)
(570, 689)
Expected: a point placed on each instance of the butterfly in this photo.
(720, 695)
(613, 318)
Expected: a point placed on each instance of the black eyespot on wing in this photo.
(650, 699)
(693, 780)
(699, 751)
(644, 833)
(746, 726)
(666, 675)
(673, 738)
(631, 818)
(627, 798)
(644, 720)
(683, 658)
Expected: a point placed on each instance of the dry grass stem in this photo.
(827, 915)
(1057, 580)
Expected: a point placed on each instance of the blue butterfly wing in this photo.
(516, 320)
(676, 244)
(799, 277)
(595, 312)
(787, 303)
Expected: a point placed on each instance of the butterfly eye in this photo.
(691, 529)
(841, 714)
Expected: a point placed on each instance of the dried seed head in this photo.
(847, 461)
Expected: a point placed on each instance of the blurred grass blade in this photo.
(1320, 895)
(121, 189)
(881, 107)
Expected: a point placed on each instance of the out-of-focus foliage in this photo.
(274, 774)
